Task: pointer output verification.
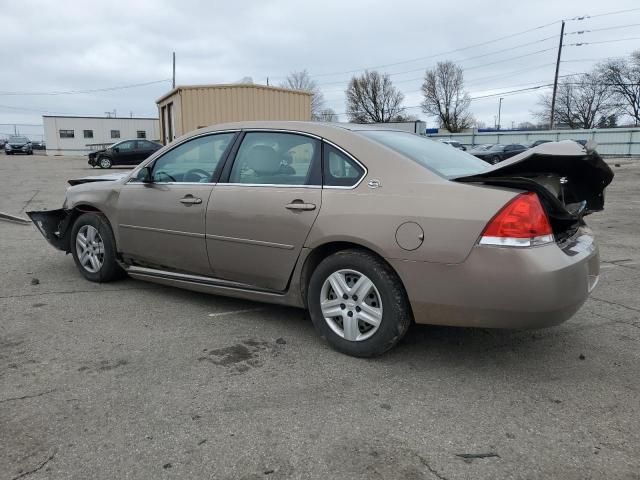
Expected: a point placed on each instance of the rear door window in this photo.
(338, 169)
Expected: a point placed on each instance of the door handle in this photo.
(300, 205)
(190, 200)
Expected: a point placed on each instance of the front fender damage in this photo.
(55, 226)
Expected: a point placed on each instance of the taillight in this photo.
(521, 223)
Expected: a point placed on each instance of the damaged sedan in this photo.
(368, 229)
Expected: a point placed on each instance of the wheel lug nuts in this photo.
(355, 298)
(350, 313)
(345, 296)
(343, 306)
(358, 309)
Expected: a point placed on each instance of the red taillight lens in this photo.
(521, 222)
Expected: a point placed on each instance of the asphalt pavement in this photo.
(133, 380)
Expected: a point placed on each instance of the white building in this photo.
(67, 135)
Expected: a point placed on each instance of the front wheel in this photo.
(94, 248)
(104, 162)
(358, 303)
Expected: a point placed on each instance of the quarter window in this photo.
(192, 161)
(87, 133)
(340, 170)
(115, 133)
(67, 134)
(276, 158)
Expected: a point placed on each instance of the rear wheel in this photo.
(94, 248)
(358, 304)
(104, 162)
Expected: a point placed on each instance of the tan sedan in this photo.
(369, 229)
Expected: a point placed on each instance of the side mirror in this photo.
(144, 175)
(116, 149)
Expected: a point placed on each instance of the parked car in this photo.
(582, 142)
(455, 144)
(499, 152)
(536, 143)
(480, 148)
(125, 152)
(39, 145)
(18, 144)
(368, 229)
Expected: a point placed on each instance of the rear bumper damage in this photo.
(54, 225)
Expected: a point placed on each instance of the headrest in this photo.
(263, 160)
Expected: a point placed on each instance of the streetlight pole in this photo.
(499, 111)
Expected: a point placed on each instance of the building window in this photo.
(141, 134)
(115, 133)
(88, 133)
(67, 134)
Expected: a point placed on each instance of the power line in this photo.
(615, 27)
(580, 44)
(488, 42)
(76, 92)
(584, 17)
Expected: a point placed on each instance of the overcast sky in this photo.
(60, 46)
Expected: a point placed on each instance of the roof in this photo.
(100, 118)
(231, 85)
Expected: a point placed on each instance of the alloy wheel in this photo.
(351, 305)
(105, 162)
(90, 248)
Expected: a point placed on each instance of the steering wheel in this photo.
(199, 173)
(166, 175)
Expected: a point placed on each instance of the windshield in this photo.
(18, 140)
(436, 156)
(497, 148)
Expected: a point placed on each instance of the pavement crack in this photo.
(616, 304)
(13, 399)
(70, 292)
(29, 201)
(40, 466)
(432, 470)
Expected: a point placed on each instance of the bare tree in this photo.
(372, 98)
(327, 115)
(445, 97)
(580, 101)
(302, 81)
(623, 76)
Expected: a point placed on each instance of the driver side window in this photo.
(193, 161)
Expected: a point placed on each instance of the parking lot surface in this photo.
(134, 380)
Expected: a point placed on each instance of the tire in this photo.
(96, 231)
(104, 162)
(386, 298)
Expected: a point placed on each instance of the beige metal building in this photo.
(186, 108)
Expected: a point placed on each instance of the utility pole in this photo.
(499, 111)
(173, 77)
(555, 80)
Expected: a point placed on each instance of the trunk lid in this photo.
(569, 179)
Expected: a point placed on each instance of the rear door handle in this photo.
(190, 200)
(299, 205)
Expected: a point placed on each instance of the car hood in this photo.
(573, 175)
(17, 144)
(110, 177)
(95, 152)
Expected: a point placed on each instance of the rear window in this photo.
(436, 156)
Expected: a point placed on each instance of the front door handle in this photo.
(300, 205)
(190, 200)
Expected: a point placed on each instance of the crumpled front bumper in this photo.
(54, 226)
